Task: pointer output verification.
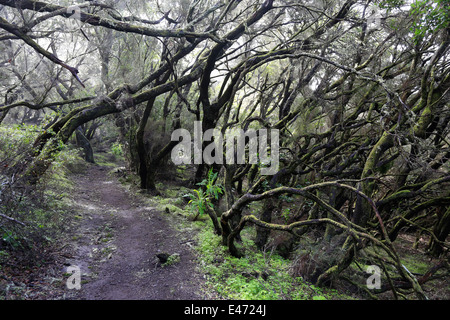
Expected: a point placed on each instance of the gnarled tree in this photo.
(359, 91)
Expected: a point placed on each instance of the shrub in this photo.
(30, 216)
(116, 149)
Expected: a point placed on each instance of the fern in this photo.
(202, 200)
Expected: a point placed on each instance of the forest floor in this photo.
(117, 242)
(113, 238)
(114, 233)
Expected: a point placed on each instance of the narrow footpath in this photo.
(117, 243)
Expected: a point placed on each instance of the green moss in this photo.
(173, 259)
(105, 159)
(415, 266)
(168, 205)
(256, 276)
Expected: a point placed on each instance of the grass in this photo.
(256, 276)
(173, 259)
(106, 159)
(171, 201)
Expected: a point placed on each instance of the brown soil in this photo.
(116, 244)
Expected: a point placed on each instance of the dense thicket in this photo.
(359, 90)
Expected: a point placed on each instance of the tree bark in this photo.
(84, 143)
(441, 230)
(262, 234)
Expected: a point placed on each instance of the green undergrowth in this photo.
(42, 211)
(256, 276)
(107, 159)
(172, 200)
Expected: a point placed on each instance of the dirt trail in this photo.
(117, 242)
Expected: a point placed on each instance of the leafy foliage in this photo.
(203, 200)
(429, 17)
(199, 202)
(15, 142)
(213, 189)
(31, 216)
(117, 149)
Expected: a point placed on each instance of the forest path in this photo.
(116, 244)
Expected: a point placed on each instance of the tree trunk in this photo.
(363, 210)
(84, 143)
(3, 115)
(441, 230)
(262, 234)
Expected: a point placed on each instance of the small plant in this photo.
(11, 239)
(202, 200)
(212, 189)
(286, 213)
(285, 198)
(173, 259)
(199, 202)
(116, 149)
